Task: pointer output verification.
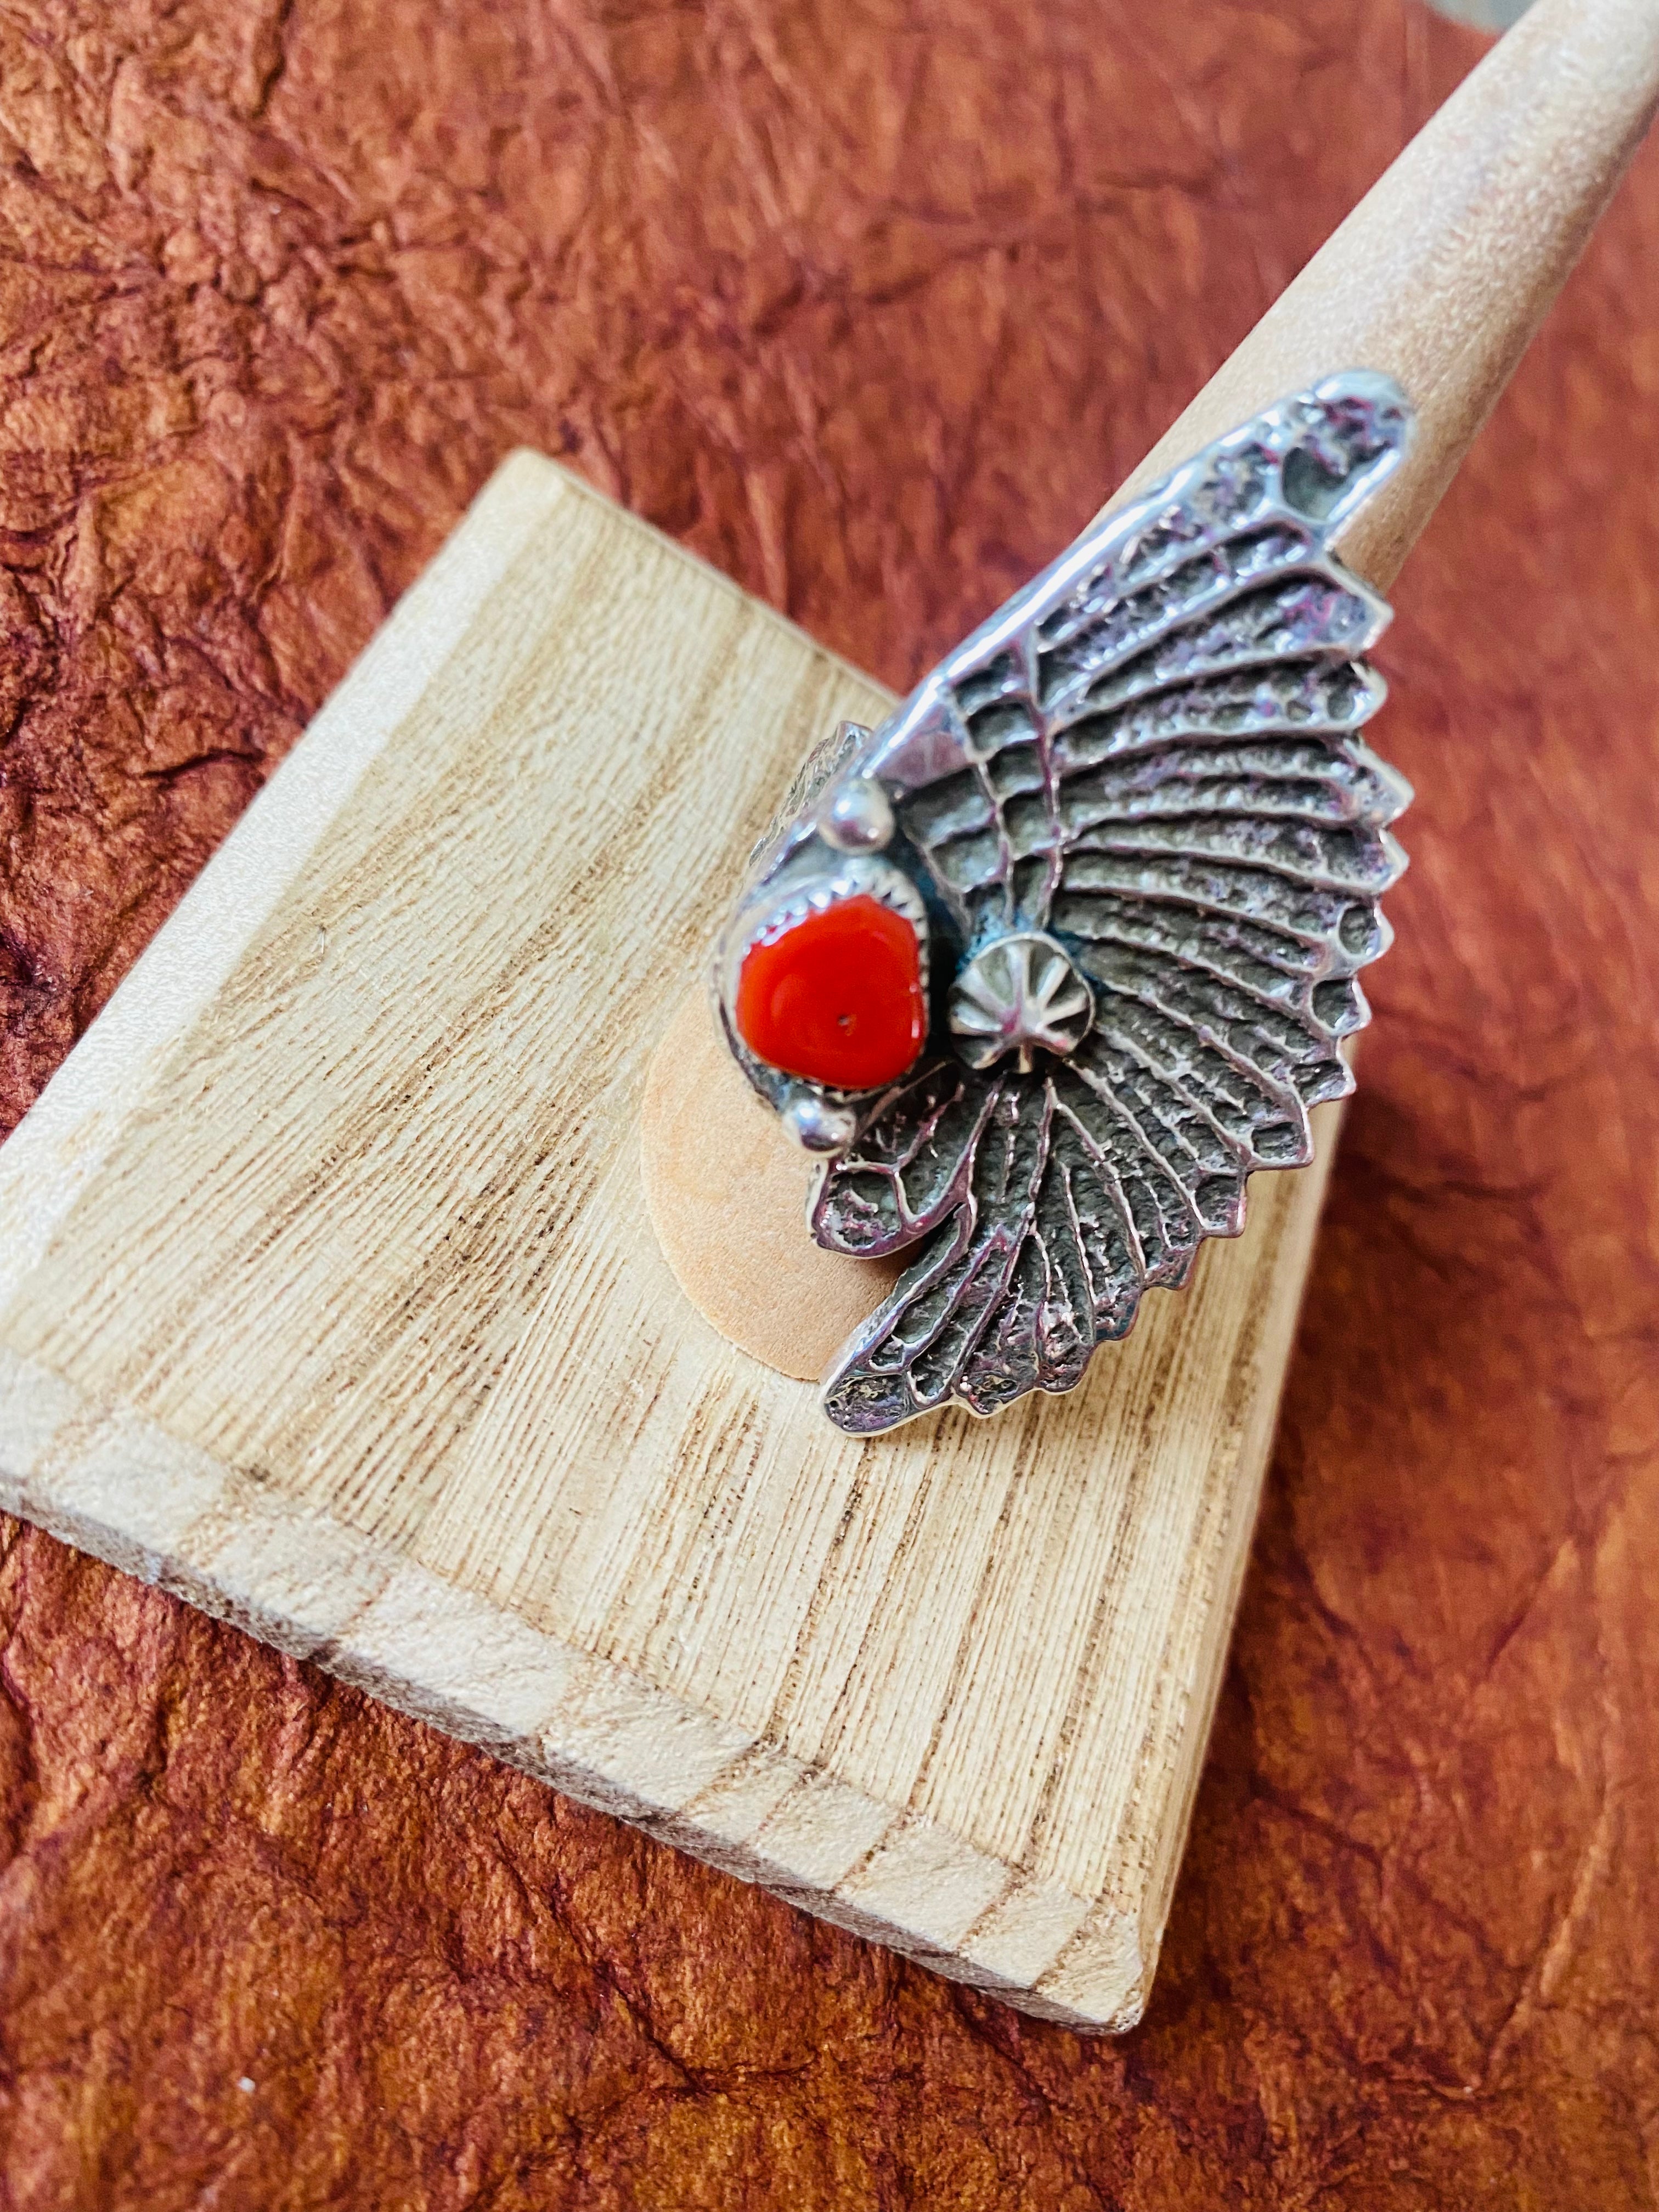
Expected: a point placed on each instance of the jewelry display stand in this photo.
(329, 1298)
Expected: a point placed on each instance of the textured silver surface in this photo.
(1150, 756)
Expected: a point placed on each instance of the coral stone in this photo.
(837, 998)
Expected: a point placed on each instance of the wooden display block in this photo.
(328, 1299)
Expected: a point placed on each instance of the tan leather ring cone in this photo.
(727, 1192)
(1439, 277)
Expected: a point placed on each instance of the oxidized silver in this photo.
(1148, 844)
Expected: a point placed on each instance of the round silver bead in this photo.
(857, 816)
(817, 1126)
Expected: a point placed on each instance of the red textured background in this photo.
(871, 301)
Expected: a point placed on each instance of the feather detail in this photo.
(1150, 761)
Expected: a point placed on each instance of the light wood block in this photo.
(328, 1299)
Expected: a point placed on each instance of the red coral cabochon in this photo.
(837, 997)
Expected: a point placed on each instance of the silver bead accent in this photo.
(856, 816)
(1019, 993)
(817, 1126)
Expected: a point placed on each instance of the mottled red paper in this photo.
(871, 304)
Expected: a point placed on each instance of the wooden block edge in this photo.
(126, 1491)
(55, 1149)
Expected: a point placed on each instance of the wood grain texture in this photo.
(330, 1301)
(343, 259)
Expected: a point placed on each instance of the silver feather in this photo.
(1152, 843)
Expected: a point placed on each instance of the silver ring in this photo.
(1048, 964)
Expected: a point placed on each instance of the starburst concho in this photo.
(1048, 964)
(1019, 993)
